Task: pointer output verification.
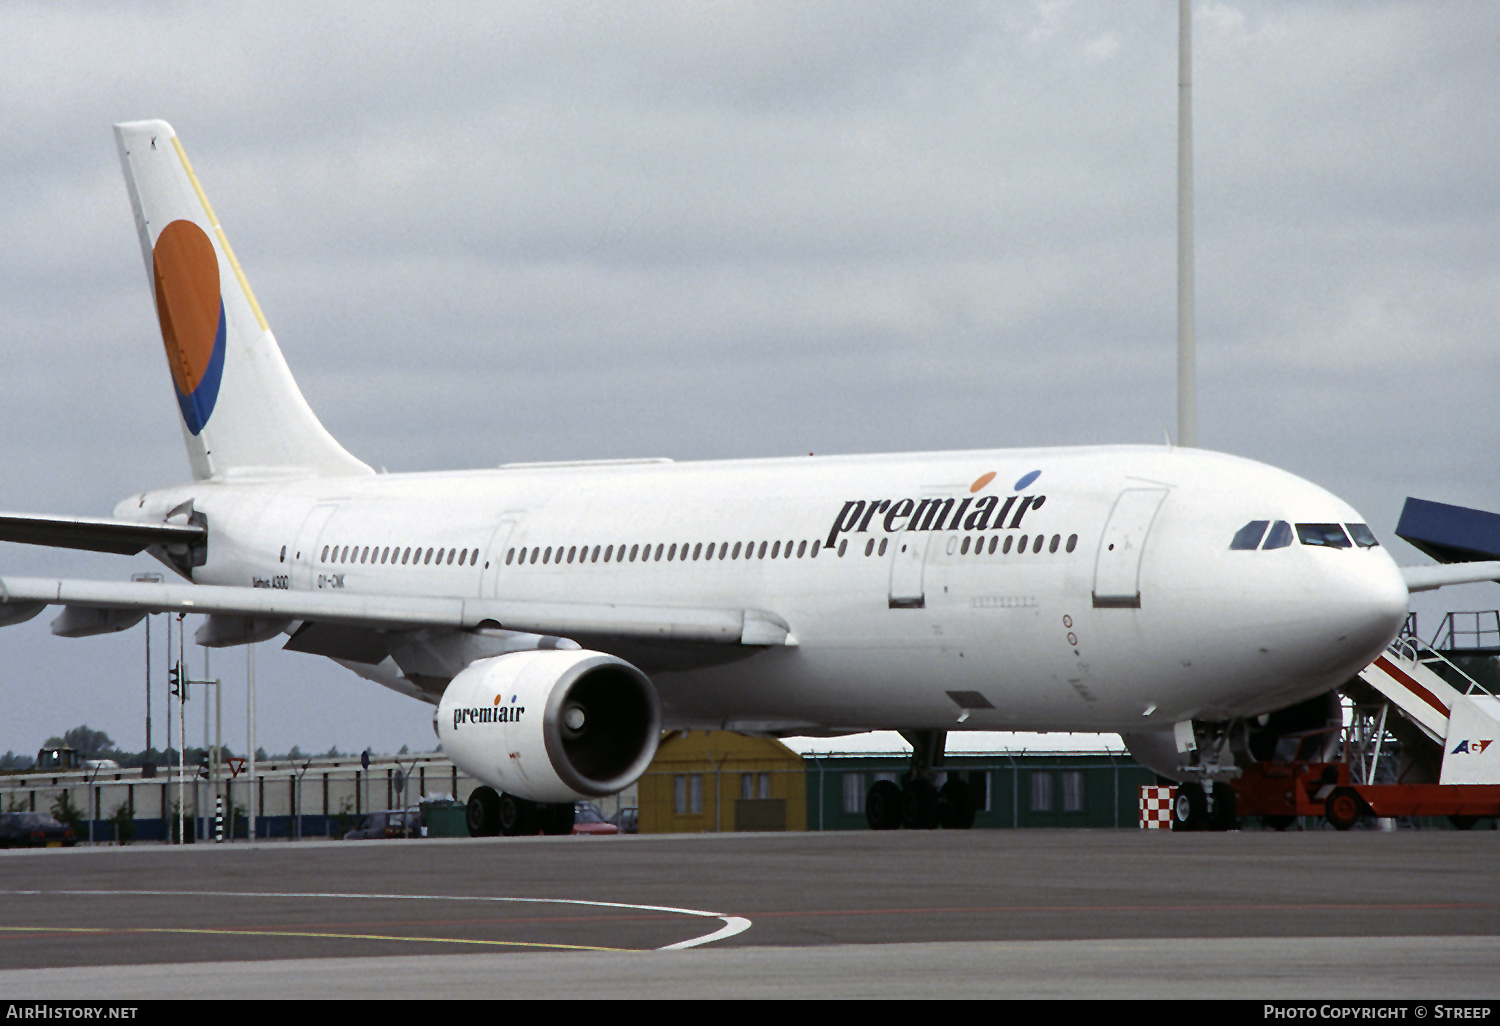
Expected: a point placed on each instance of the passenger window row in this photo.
(753, 550)
(1280, 535)
(676, 552)
(413, 556)
(977, 545)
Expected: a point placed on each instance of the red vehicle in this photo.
(1279, 792)
(587, 820)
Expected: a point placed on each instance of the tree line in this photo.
(97, 744)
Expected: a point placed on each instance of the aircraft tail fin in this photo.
(242, 413)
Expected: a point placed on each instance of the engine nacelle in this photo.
(552, 726)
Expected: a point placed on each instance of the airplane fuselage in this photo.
(1034, 589)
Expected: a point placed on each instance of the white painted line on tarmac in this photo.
(733, 925)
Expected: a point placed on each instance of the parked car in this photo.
(34, 830)
(588, 820)
(627, 820)
(392, 823)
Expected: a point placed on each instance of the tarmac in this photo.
(1034, 913)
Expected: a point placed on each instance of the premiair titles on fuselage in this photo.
(932, 514)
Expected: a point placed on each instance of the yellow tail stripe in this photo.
(213, 221)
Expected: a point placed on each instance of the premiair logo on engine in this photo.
(496, 713)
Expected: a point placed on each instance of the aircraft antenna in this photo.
(1187, 374)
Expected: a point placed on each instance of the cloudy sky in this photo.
(510, 231)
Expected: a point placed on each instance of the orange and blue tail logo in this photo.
(191, 311)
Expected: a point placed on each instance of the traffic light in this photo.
(178, 679)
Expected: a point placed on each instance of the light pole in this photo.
(182, 697)
(93, 802)
(252, 786)
(1187, 361)
(149, 579)
(297, 798)
(171, 690)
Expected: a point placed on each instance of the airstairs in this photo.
(1448, 706)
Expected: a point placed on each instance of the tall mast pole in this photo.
(252, 787)
(147, 622)
(1187, 371)
(182, 684)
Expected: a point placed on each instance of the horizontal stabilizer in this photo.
(96, 534)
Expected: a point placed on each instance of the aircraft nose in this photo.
(1369, 607)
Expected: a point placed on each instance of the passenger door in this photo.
(1117, 569)
(307, 544)
(908, 565)
(494, 556)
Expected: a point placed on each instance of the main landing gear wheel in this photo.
(955, 806)
(919, 805)
(1190, 807)
(518, 816)
(1278, 822)
(883, 806)
(483, 814)
(1343, 808)
(1463, 822)
(1224, 815)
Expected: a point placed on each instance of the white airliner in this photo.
(560, 616)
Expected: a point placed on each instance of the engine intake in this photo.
(552, 726)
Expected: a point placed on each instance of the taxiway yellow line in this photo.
(302, 933)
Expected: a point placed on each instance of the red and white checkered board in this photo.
(1156, 807)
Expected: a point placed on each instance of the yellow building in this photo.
(708, 781)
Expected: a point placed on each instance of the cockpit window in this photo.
(1331, 535)
(1280, 536)
(1248, 537)
(1362, 535)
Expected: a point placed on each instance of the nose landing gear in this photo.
(1205, 801)
(1198, 809)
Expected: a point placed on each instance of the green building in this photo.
(1052, 789)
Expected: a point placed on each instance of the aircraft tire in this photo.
(955, 805)
(1343, 808)
(557, 818)
(518, 816)
(1463, 822)
(883, 806)
(919, 805)
(1278, 823)
(1224, 815)
(483, 813)
(1190, 807)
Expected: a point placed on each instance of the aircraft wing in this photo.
(95, 534)
(1426, 578)
(253, 614)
